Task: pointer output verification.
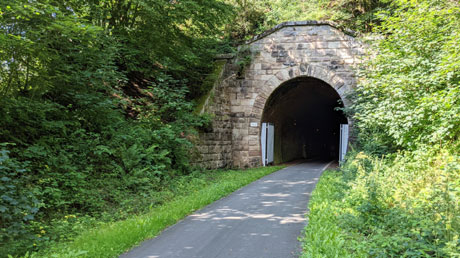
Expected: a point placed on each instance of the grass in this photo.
(398, 207)
(113, 238)
(322, 236)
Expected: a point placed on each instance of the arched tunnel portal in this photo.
(306, 115)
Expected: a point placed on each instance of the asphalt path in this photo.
(261, 220)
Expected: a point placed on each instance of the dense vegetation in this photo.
(182, 196)
(96, 122)
(95, 107)
(255, 16)
(398, 194)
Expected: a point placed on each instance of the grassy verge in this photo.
(405, 205)
(114, 238)
(323, 237)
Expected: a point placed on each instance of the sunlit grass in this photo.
(323, 236)
(112, 239)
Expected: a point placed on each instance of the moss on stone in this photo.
(208, 85)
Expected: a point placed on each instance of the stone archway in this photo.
(307, 49)
(303, 71)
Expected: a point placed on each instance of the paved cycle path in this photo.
(261, 220)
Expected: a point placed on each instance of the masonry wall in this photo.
(215, 143)
(290, 50)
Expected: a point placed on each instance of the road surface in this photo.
(262, 220)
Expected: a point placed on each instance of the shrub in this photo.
(403, 182)
(18, 204)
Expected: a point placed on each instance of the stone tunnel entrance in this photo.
(297, 74)
(307, 122)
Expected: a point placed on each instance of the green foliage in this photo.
(410, 93)
(95, 105)
(173, 36)
(181, 197)
(400, 195)
(324, 237)
(97, 120)
(407, 206)
(83, 157)
(86, 158)
(46, 48)
(18, 205)
(256, 16)
(249, 21)
(244, 58)
(353, 14)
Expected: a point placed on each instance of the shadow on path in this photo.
(262, 220)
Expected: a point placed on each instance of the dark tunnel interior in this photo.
(307, 123)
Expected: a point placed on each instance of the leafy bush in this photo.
(323, 237)
(402, 193)
(45, 47)
(85, 158)
(256, 16)
(96, 109)
(18, 204)
(410, 92)
(405, 206)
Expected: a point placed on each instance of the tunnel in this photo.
(306, 120)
